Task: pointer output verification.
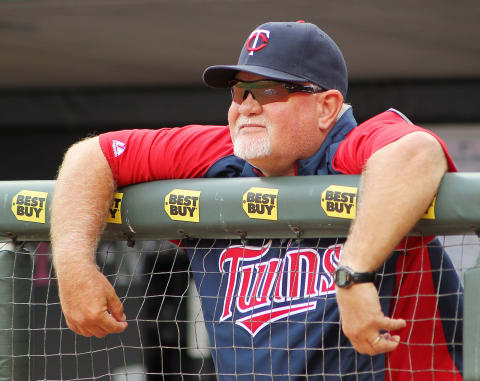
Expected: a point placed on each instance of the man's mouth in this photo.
(251, 127)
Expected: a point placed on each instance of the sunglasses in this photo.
(266, 91)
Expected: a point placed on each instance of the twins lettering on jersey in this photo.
(270, 290)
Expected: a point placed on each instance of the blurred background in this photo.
(73, 68)
(69, 69)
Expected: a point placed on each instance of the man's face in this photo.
(273, 136)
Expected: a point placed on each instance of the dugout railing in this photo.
(245, 208)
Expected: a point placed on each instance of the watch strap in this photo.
(363, 277)
(350, 277)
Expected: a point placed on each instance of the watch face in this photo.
(342, 277)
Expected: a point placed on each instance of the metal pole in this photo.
(471, 325)
(16, 268)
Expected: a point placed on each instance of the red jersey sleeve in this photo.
(170, 153)
(373, 134)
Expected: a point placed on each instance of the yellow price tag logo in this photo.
(340, 201)
(115, 211)
(183, 205)
(30, 206)
(261, 203)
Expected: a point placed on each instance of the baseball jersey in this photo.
(269, 305)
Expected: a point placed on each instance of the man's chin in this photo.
(249, 150)
(250, 156)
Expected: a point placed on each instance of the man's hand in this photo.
(363, 321)
(89, 302)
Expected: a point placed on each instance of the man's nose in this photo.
(250, 105)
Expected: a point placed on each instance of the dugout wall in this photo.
(234, 208)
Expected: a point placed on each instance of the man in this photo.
(287, 118)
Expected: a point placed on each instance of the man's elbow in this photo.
(418, 152)
(85, 159)
(82, 149)
(427, 153)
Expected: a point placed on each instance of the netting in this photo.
(269, 312)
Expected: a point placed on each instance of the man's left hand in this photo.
(363, 321)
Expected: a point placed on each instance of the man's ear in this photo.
(329, 104)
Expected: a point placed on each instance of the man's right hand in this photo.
(89, 302)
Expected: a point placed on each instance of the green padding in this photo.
(317, 206)
(15, 290)
(471, 326)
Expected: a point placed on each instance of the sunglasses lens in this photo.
(238, 94)
(263, 91)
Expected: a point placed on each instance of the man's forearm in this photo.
(398, 184)
(82, 196)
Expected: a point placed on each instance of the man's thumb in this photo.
(115, 307)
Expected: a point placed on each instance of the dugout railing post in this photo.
(471, 325)
(16, 270)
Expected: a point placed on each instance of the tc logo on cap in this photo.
(253, 44)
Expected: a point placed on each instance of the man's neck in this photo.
(269, 170)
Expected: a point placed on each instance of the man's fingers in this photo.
(385, 336)
(389, 324)
(377, 339)
(384, 343)
(115, 307)
(110, 320)
(99, 323)
(111, 325)
(75, 328)
(104, 325)
(100, 332)
(115, 321)
(79, 330)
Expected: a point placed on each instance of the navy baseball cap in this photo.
(287, 51)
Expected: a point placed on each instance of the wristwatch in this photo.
(344, 277)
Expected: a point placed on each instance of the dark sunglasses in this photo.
(266, 91)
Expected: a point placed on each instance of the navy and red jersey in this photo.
(269, 305)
